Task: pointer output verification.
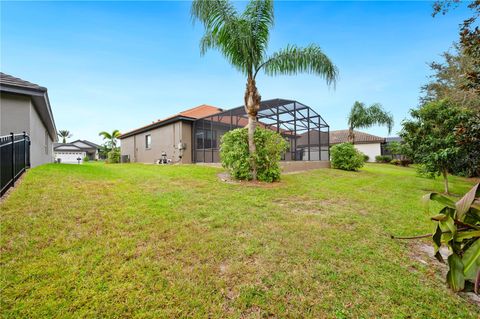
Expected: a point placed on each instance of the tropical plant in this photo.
(243, 39)
(362, 116)
(113, 156)
(457, 225)
(395, 148)
(430, 137)
(235, 156)
(111, 137)
(345, 156)
(64, 134)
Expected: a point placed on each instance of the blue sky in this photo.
(120, 65)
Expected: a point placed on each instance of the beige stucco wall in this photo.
(14, 113)
(372, 150)
(163, 139)
(18, 114)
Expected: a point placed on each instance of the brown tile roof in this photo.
(6, 79)
(193, 113)
(341, 136)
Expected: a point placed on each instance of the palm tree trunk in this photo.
(445, 180)
(252, 105)
(351, 136)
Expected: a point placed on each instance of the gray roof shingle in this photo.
(6, 79)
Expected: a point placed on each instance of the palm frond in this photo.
(105, 135)
(260, 15)
(364, 117)
(231, 34)
(293, 60)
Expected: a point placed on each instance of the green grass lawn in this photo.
(145, 241)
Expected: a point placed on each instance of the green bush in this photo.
(383, 158)
(365, 157)
(86, 159)
(113, 156)
(235, 156)
(395, 161)
(345, 156)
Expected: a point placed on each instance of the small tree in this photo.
(430, 137)
(242, 38)
(362, 116)
(111, 137)
(64, 134)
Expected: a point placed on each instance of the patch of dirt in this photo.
(423, 253)
(226, 178)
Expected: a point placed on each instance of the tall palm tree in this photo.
(362, 116)
(64, 134)
(242, 38)
(111, 137)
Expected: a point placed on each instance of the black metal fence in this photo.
(14, 158)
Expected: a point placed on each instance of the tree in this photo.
(430, 137)
(449, 82)
(64, 134)
(364, 117)
(111, 137)
(242, 38)
(395, 148)
(469, 39)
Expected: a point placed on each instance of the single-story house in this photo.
(70, 152)
(25, 107)
(368, 144)
(193, 135)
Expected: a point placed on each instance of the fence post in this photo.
(13, 158)
(24, 150)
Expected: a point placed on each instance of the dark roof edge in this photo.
(38, 96)
(157, 125)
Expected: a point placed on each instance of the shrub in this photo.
(365, 157)
(383, 159)
(345, 156)
(395, 161)
(113, 156)
(86, 159)
(236, 158)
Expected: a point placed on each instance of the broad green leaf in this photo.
(437, 242)
(439, 198)
(471, 261)
(455, 277)
(448, 225)
(463, 205)
(467, 235)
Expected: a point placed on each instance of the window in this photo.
(148, 141)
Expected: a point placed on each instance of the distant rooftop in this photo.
(341, 136)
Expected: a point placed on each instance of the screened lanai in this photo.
(304, 129)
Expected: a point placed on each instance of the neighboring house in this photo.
(368, 144)
(194, 135)
(25, 107)
(70, 152)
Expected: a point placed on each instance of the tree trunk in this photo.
(252, 105)
(351, 136)
(445, 180)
